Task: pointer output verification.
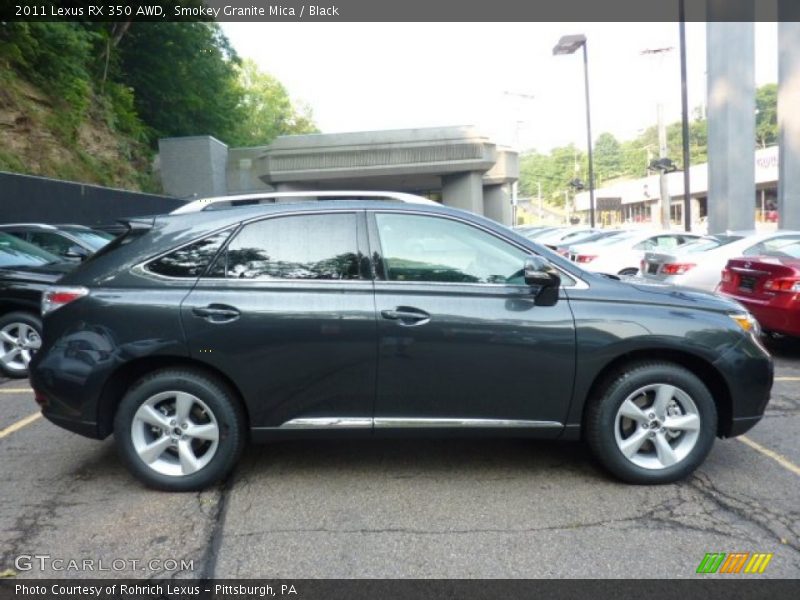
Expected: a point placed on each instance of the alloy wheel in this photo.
(18, 343)
(175, 433)
(657, 426)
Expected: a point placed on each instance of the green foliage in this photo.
(184, 77)
(143, 81)
(267, 110)
(767, 115)
(607, 157)
(629, 159)
(553, 171)
(54, 56)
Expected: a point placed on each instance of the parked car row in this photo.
(758, 269)
(32, 256)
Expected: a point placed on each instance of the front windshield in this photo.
(15, 252)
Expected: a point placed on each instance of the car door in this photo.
(461, 340)
(287, 313)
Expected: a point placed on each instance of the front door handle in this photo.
(217, 313)
(407, 315)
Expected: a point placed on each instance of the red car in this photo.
(768, 286)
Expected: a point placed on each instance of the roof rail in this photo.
(218, 202)
(42, 225)
(73, 226)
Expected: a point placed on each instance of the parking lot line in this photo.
(787, 379)
(14, 390)
(20, 424)
(778, 458)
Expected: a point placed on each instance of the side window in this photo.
(191, 260)
(295, 247)
(432, 249)
(648, 244)
(52, 242)
(667, 242)
(777, 246)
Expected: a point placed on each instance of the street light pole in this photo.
(569, 44)
(589, 135)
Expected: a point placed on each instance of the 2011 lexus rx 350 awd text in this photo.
(368, 314)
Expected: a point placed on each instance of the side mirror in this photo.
(539, 273)
(76, 252)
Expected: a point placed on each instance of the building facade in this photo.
(454, 165)
(638, 201)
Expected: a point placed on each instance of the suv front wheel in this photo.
(652, 423)
(179, 430)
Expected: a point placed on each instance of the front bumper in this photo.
(748, 371)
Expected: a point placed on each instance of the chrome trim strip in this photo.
(412, 423)
(406, 422)
(328, 422)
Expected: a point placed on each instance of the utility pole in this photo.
(517, 127)
(663, 182)
(541, 209)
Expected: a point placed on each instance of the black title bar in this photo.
(400, 10)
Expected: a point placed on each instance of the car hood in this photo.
(40, 273)
(643, 291)
(675, 295)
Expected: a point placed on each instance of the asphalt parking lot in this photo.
(401, 508)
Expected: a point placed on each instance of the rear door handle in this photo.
(217, 313)
(407, 315)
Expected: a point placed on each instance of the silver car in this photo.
(700, 263)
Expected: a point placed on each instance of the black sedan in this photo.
(25, 271)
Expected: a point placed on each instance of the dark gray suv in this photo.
(369, 314)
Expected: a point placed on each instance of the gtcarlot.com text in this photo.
(46, 562)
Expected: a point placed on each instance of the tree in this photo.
(184, 77)
(767, 115)
(267, 111)
(607, 158)
(553, 172)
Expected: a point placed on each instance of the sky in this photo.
(365, 76)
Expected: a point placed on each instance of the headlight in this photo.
(747, 322)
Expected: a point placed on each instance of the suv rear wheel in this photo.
(20, 338)
(179, 430)
(652, 423)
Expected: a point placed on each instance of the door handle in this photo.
(406, 315)
(217, 313)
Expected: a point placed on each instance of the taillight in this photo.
(727, 276)
(58, 296)
(676, 268)
(585, 258)
(782, 284)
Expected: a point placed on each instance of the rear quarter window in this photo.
(189, 261)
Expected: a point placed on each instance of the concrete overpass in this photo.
(454, 165)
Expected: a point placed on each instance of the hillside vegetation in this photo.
(89, 101)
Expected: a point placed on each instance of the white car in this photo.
(699, 267)
(622, 254)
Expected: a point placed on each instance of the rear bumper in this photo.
(86, 428)
(779, 313)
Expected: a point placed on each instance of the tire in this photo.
(675, 396)
(629, 271)
(189, 426)
(20, 337)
